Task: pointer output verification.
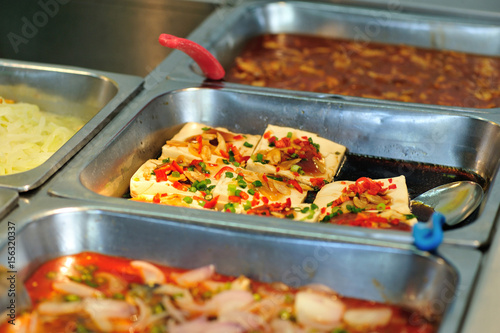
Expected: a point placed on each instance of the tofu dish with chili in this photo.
(274, 174)
(368, 69)
(95, 293)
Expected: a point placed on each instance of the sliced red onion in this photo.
(195, 276)
(318, 311)
(149, 272)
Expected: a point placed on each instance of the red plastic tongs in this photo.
(209, 65)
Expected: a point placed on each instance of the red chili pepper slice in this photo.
(234, 198)
(317, 182)
(177, 167)
(267, 135)
(244, 195)
(295, 184)
(264, 177)
(157, 198)
(224, 154)
(283, 142)
(222, 170)
(238, 137)
(179, 186)
(162, 173)
(209, 65)
(199, 139)
(211, 204)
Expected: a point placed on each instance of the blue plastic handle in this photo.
(428, 236)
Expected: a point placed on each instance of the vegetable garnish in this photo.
(209, 65)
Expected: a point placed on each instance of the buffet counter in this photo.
(135, 96)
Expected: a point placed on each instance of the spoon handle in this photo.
(209, 65)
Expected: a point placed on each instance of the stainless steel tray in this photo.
(469, 141)
(225, 32)
(93, 96)
(437, 284)
(8, 200)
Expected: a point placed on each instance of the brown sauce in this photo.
(368, 69)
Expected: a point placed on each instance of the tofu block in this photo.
(306, 212)
(146, 181)
(391, 202)
(179, 200)
(250, 189)
(216, 144)
(297, 154)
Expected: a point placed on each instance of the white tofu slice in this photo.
(398, 194)
(256, 190)
(185, 143)
(306, 212)
(331, 156)
(144, 182)
(179, 200)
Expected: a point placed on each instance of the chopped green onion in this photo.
(289, 135)
(295, 168)
(118, 296)
(81, 329)
(247, 205)
(257, 183)
(158, 308)
(72, 298)
(187, 200)
(247, 144)
(176, 174)
(381, 206)
(251, 191)
(229, 174)
(230, 207)
(354, 209)
(315, 145)
(231, 189)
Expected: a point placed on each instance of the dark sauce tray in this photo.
(226, 32)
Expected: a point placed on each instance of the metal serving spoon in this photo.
(456, 201)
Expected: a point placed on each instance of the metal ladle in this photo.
(456, 201)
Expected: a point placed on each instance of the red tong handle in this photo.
(209, 65)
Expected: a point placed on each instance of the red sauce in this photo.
(39, 286)
(368, 69)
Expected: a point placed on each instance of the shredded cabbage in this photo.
(28, 136)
